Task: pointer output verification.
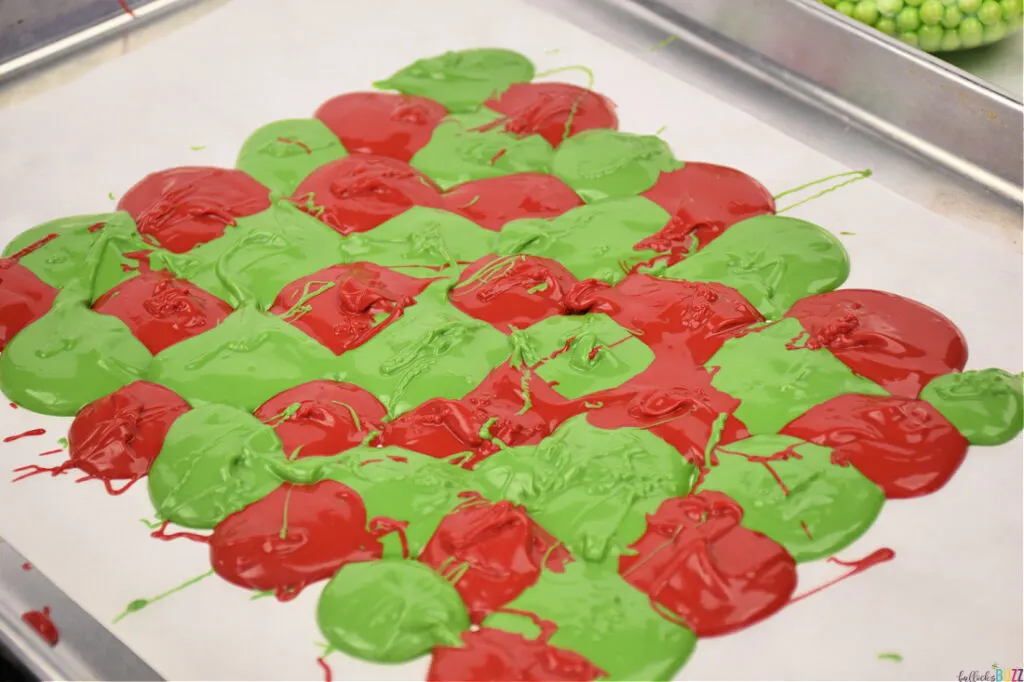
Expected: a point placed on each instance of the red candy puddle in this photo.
(41, 622)
(381, 123)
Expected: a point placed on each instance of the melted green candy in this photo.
(591, 488)
(983, 404)
(281, 154)
(600, 164)
(215, 461)
(462, 148)
(390, 611)
(776, 380)
(773, 261)
(601, 353)
(404, 486)
(462, 80)
(70, 357)
(835, 503)
(255, 259)
(421, 236)
(596, 240)
(602, 617)
(60, 260)
(247, 359)
(432, 351)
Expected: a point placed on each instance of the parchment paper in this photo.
(950, 601)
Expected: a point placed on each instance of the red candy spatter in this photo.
(697, 562)
(322, 417)
(41, 622)
(492, 552)
(344, 306)
(294, 537)
(489, 654)
(897, 343)
(517, 291)
(24, 298)
(905, 446)
(382, 123)
(703, 200)
(359, 192)
(554, 111)
(442, 428)
(492, 202)
(180, 208)
(161, 310)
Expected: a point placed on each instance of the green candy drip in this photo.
(985, 405)
(462, 80)
(281, 154)
(139, 604)
(856, 176)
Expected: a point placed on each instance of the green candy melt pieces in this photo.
(984, 405)
(601, 164)
(390, 611)
(281, 154)
(792, 492)
(774, 261)
(461, 80)
(215, 461)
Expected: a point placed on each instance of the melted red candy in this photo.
(359, 192)
(545, 108)
(689, 320)
(356, 302)
(182, 207)
(293, 537)
(905, 446)
(513, 291)
(492, 202)
(40, 622)
(490, 654)
(322, 417)
(703, 200)
(497, 551)
(382, 123)
(699, 563)
(897, 343)
(161, 310)
(118, 436)
(24, 298)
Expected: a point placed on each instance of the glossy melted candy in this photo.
(507, 387)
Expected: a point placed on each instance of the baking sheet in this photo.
(949, 602)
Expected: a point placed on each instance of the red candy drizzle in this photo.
(180, 208)
(898, 343)
(492, 202)
(359, 192)
(546, 109)
(905, 446)
(24, 298)
(699, 563)
(344, 306)
(322, 417)
(382, 123)
(294, 537)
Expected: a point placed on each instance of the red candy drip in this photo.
(491, 552)
(697, 561)
(489, 654)
(328, 417)
(879, 556)
(24, 298)
(897, 343)
(292, 538)
(41, 622)
(492, 202)
(703, 200)
(546, 108)
(183, 207)
(344, 306)
(359, 192)
(25, 434)
(381, 123)
(905, 446)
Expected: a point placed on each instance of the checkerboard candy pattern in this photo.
(514, 389)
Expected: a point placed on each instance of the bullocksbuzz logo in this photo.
(996, 674)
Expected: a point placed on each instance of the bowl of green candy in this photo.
(937, 25)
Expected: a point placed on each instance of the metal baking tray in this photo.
(941, 137)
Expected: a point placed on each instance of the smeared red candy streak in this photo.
(51, 452)
(328, 677)
(162, 534)
(33, 247)
(25, 434)
(298, 143)
(126, 8)
(879, 556)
